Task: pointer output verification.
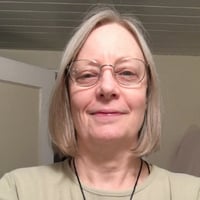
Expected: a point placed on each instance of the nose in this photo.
(107, 87)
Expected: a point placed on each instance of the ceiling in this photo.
(173, 25)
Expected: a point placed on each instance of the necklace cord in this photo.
(79, 182)
(135, 185)
(148, 166)
(137, 179)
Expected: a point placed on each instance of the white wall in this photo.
(180, 86)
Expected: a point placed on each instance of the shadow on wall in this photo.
(186, 158)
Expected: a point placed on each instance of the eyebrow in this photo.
(116, 61)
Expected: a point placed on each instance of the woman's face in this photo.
(108, 111)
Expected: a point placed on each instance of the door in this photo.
(24, 98)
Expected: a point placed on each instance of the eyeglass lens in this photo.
(127, 72)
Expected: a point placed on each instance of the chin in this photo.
(108, 136)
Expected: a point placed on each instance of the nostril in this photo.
(107, 95)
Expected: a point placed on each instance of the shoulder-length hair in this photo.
(61, 125)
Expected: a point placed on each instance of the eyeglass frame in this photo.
(100, 66)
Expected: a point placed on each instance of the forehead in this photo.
(110, 41)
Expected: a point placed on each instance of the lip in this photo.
(107, 112)
(107, 115)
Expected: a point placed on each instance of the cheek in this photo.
(142, 102)
(137, 100)
(137, 105)
(77, 105)
(76, 110)
(79, 100)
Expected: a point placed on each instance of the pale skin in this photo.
(107, 116)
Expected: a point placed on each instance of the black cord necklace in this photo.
(134, 187)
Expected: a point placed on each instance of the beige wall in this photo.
(46, 59)
(19, 126)
(180, 89)
(180, 86)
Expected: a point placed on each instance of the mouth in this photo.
(107, 112)
(107, 115)
(110, 113)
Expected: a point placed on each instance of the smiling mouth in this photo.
(106, 117)
(103, 114)
(107, 113)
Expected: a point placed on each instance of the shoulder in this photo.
(37, 170)
(37, 181)
(184, 184)
(174, 177)
(51, 175)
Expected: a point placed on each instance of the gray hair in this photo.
(60, 120)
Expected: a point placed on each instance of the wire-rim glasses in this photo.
(128, 72)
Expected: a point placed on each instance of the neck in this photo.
(105, 152)
(134, 187)
(106, 170)
(108, 165)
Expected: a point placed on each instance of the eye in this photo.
(127, 74)
(86, 76)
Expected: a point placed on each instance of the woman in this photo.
(105, 118)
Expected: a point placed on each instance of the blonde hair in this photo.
(60, 120)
